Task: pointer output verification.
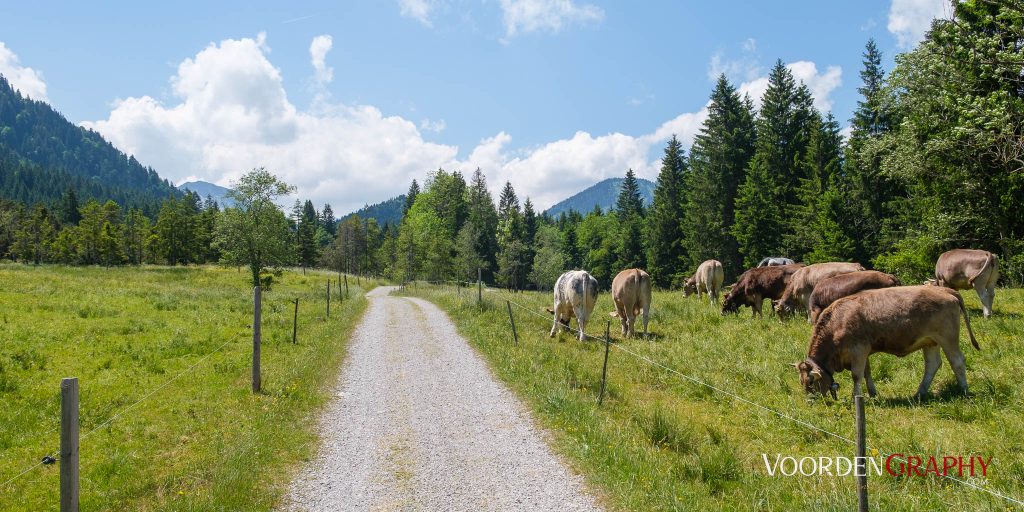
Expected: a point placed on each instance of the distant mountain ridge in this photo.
(385, 212)
(205, 188)
(604, 194)
(42, 154)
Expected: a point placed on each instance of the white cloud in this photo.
(909, 20)
(433, 126)
(418, 10)
(318, 53)
(25, 79)
(546, 15)
(232, 114)
(750, 45)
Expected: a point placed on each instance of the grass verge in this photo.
(661, 442)
(202, 442)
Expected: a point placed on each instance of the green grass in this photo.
(661, 442)
(203, 442)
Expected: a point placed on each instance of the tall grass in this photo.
(203, 442)
(662, 442)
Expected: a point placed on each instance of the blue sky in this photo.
(351, 100)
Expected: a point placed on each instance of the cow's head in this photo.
(732, 302)
(784, 308)
(816, 380)
(689, 287)
(562, 320)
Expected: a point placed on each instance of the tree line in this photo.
(934, 159)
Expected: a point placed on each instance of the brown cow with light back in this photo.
(631, 293)
(798, 292)
(708, 278)
(844, 285)
(896, 321)
(963, 269)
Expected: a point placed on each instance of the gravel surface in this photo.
(419, 423)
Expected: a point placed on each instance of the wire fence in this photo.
(735, 396)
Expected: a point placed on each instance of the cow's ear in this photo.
(798, 365)
(549, 311)
(816, 374)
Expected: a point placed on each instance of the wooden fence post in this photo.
(328, 299)
(257, 306)
(512, 320)
(69, 445)
(346, 286)
(860, 468)
(604, 369)
(295, 322)
(479, 285)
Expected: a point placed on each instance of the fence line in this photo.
(764, 407)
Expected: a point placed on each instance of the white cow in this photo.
(575, 296)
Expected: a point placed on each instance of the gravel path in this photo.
(419, 423)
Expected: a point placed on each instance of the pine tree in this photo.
(306, 235)
(629, 212)
(719, 159)
(69, 213)
(774, 172)
(410, 197)
(479, 245)
(328, 221)
(665, 244)
(512, 249)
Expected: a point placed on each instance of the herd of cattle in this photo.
(855, 312)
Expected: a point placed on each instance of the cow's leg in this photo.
(554, 324)
(858, 368)
(872, 392)
(581, 320)
(932, 362)
(982, 289)
(623, 320)
(956, 359)
(756, 306)
(646, 313)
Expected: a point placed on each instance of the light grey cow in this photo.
(575, 296)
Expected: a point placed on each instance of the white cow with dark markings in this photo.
(575, 296)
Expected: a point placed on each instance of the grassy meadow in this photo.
(661, 442)
(203, 441)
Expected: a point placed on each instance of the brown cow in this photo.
(963, 269)
(843, 285)
(709, 278)
(798, 292)
(631, 293)
(758, 284)
(896, 321)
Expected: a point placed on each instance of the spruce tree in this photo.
(774, 172)
(718, 162)
(410, 197)
(629, 212)
(478, 236)
(665, 244)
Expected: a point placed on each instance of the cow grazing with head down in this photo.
(896, 321)
(709, 278)
(798, 292)
(758, 284)
(631, 293)
(963, 269)
(772, 261)
(575, 296)
(844, 285)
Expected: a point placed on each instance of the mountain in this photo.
(42, 154)
(385, 212)
(205, 188)
(603, 194)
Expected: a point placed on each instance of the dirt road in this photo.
(419, 423)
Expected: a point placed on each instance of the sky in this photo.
(350, 101)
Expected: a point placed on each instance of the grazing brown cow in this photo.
(896, 321)
(758, 284)
(631, 293)
(798, 292)
(843, 285)
(963, 269)
(709, 278)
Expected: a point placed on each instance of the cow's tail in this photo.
(967, 320)
(989, 262)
